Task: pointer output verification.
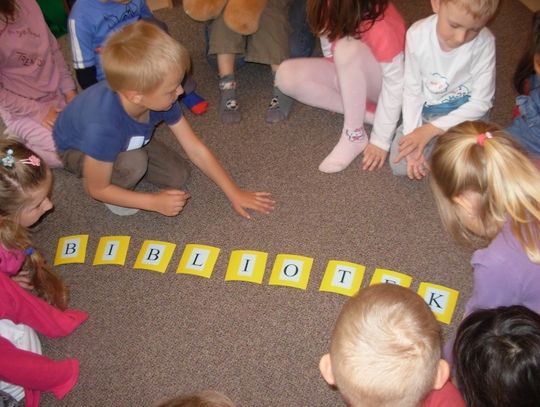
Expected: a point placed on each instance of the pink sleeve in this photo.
(447, 396)
(20, 106)
(66, 79)
(11, 261)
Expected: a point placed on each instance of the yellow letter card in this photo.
(342, 277)
(71, 249)
(291, 270)
(442, 300)
(246, 265)
(154, 255)
(198, 260)
(112, 250)
(390, 277)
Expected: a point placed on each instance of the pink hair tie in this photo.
(32, 160)
(482, 138)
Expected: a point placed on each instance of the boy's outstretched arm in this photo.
(203, 158)
(97, 179)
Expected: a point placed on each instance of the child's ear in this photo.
(435, 5)
(133, 96)
(468, 201)
(443, 374)
(325, 366)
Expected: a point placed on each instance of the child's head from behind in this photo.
(205, 398)
(25, 185)
(141, 56)
(481, 178)
(460, 21)
(385, 349)
(497, 357)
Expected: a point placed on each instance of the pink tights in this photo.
(344, 84)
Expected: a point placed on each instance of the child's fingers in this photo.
(242, 212)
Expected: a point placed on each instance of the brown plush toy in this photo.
(241, 16)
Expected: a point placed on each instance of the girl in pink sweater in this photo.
(25, 185)
(35, 82)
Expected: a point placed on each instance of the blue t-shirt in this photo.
(92, 21)
(96, 123)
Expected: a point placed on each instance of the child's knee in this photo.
(129, 168)
(399, 169)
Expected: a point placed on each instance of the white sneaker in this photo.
(120, 210)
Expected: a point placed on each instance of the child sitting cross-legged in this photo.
(105, 136)
(386, 351)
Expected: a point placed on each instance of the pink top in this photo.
(448, 396)
(386, 37)
(32, 68)
(11, 261)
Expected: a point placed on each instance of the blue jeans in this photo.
(526, 127)
(301, 39)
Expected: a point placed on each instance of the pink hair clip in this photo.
(482, 138)
(32, 160)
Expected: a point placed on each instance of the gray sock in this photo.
(279, 108)
(228, 106)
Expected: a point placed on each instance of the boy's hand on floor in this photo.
(261, 202)
(170, 202)
(374, 158)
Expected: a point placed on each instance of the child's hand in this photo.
(414, 142)
(374, 158)
(70, 95)
(24, 279)
(417, 168)
(170, 202)
(261, 202)
(50, 118)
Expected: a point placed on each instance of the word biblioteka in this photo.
(291, 270)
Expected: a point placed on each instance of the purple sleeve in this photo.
(66, 80)
(495, 283)
(21, 106)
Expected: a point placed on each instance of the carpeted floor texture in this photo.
(153, 335)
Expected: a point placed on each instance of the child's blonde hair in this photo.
(385, 348)
(477, 8)
(18, 178)
(498, 170)
(139, 55)
(205, 398)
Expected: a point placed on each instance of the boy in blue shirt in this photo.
(90, 24)
(105, 136)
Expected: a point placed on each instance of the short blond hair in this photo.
(204, 398)
(385, 348)
(497, 170)
(139, 55)
(477, 8)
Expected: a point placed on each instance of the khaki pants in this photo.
(156, 163)
(268, 45)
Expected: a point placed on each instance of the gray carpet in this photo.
(153, 335)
